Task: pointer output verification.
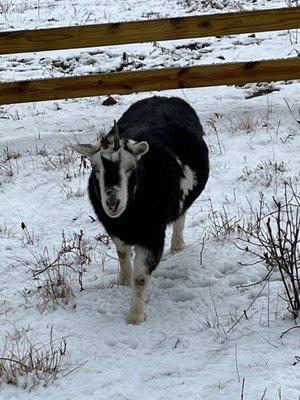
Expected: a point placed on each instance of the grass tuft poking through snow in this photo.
(27, 364)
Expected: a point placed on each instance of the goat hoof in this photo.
(134, 318)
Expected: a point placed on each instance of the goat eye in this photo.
(95, 169)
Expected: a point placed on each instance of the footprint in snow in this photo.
(184, 295)
(165, 284)
(172, 274)
(127, 343)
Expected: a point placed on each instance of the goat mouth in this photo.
(114, 212)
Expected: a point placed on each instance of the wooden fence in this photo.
(149, 31)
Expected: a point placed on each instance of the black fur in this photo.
(111, 172)
(172, 129)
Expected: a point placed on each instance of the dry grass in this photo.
(6, 173)
(28, 237)
(67, 162)
(266, 174)
(52, 289)
(8, 164)
(245, 123)
(9, 154)
(40, 151)
(5, 8)
(223, 224)
(71, 193)
(64, 158)
(27, 364)
(6, 231)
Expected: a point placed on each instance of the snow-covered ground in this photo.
(210, 334)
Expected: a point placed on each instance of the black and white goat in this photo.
(146, 173)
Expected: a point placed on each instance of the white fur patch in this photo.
(180, 205)
(179, 162)
(112, 156)
(188, 181)
(139, 262)
(130, 143)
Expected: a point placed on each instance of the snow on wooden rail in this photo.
(147, 31)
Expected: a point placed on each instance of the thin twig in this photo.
(293, 327)
(245, 311)
(74, 369)
(292, 114)
(236, 363)
(243, 387)
(15, 361)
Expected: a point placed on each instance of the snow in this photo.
(197, 343)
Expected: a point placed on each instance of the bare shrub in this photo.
(251, 224)
(277, 244)
(74, 254)
(25, 364)
(54, 276)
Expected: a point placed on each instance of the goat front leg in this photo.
(177, 242)
(144, 263)
(124, 254)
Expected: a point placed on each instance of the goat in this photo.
(146, 173)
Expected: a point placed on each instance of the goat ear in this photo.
(139, 149)
(87, 150)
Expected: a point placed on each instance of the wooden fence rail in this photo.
(149, 31)
(149, 80)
